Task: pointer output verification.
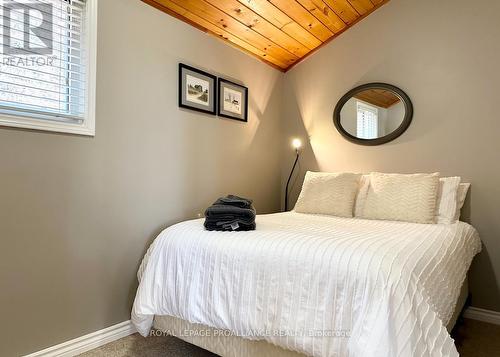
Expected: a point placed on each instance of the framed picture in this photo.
(197, 89)
(233, 100)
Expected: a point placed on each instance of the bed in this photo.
(305, 284)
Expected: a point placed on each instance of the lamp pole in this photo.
(296, 143)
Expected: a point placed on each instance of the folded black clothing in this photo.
(232, 200)
(230, 217)
(231, 225)
(230, 213)
(223, 212)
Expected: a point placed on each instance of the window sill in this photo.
(47, 125)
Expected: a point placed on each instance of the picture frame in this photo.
(197, 90)
(233, 100)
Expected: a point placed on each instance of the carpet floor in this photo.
(473, 339)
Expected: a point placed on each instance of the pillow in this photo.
(447, 200)
(328, 193)
(364, 184)
(461, 195)
(397, 197)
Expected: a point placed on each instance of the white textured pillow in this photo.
(328, 193)
(398, 197)
(461, 195)
(447, 200)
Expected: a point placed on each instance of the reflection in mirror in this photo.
(372, 113)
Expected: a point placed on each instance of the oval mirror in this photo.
(373, 114)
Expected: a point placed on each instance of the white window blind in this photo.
(43, 71)
(367, 123)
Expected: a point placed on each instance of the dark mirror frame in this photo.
(384, 139)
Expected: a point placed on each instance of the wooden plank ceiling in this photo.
(279, 32)
(379, 97)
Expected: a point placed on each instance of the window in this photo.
(47, 68)
(367, 126)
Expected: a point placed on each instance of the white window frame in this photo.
(87, 127)
(367, 108)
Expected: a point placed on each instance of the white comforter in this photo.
(323, 286)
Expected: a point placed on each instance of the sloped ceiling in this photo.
(278, 32)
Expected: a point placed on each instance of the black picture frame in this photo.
(221, 109)
(384, 139)
(184, 101)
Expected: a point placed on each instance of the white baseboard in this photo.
(483, 315)
(88, 342)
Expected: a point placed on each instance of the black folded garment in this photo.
(230, 225)
(230, 213)
(232, 200)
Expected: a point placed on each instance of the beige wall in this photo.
(77, 213)
(445, 55)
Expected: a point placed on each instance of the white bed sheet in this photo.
(304, 282)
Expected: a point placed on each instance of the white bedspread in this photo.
(323, 286)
